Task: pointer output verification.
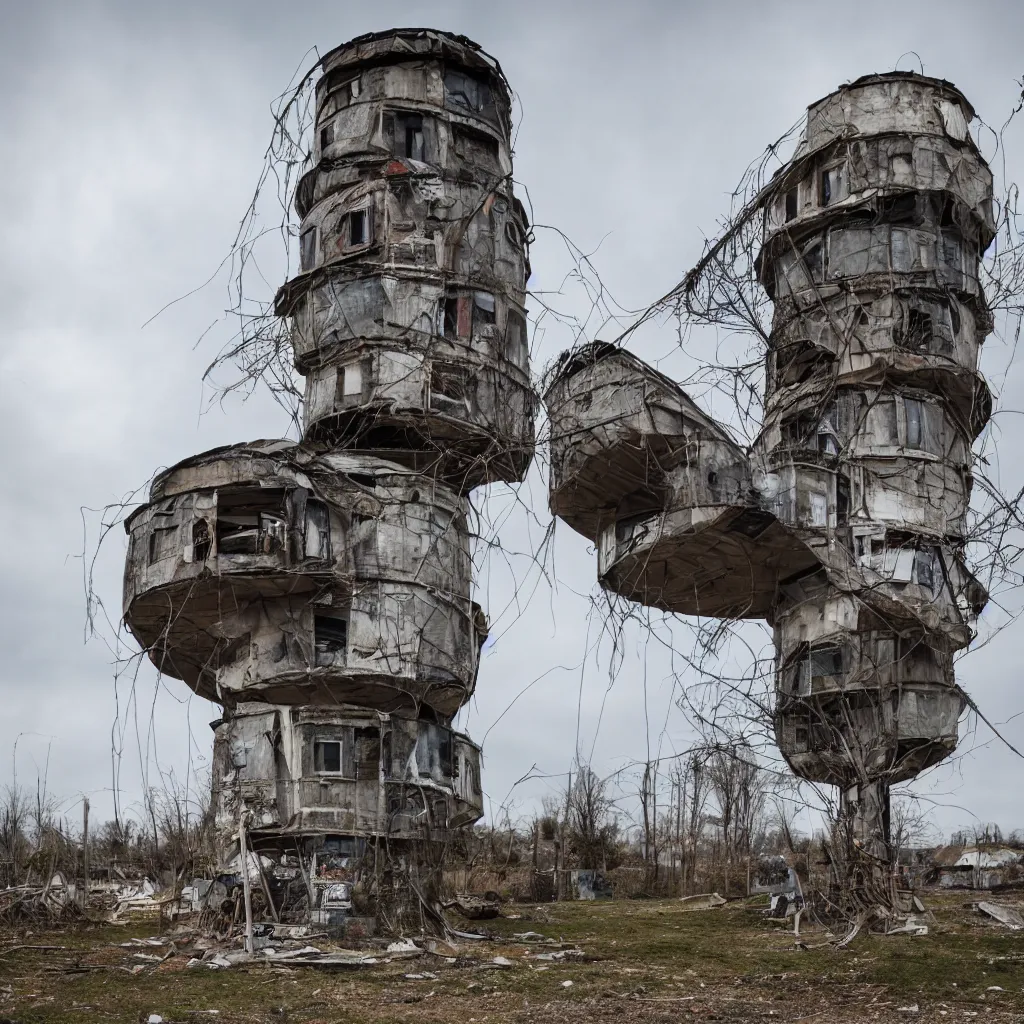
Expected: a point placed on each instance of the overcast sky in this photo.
(132, 136)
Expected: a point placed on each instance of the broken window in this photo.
(251, 521)
(801, 739)
(924, 567)
(327, 757)
(201, 540)
(483, 308)
(516, 345)
(826, 666)
(330, 639)
(917, 329)
(833, 184)
(476, 148)
(842, 499)
(326, 135)
(318, 530)
(469, 94)
(307, 249)
(915, 426)
(899, 209)
(357, 228)
(403, 135)
(349, 386)
(458, 317)
(814, 262)
(162, 542)
(828, 441)
(449, 389)
(792, 204)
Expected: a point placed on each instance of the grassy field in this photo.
(642, 961)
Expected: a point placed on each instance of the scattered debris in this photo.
(704, 901)
(1004, 915)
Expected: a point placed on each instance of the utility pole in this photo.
(85, 849)
(246, 888)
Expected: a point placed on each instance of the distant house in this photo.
(976, 867)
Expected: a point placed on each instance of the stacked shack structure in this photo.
(320, 591)
(845, 524)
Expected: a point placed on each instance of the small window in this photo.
(349, 388)
(449, 389)
(826, 663)
(327, 757)
(901, 209)
(358, 228)
(814, 262)
(318, 530)
(468, 93)
(307, 249)
(918, 329)
(819, 509)
(924, 567)
(792, 204)
(162, 542)
(251, 521)
(516, 345)
(915, 426)
(330, 639)
(458, 317)
(201, 541)
(833, 185)
(326, 135)
(801, 740)
(483, 307)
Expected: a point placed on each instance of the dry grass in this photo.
(645, 961)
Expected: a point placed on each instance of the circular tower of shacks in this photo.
(845, 525)
(320, 591)
(871, 255)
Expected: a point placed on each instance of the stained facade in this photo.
(845, 524)
(320, 591)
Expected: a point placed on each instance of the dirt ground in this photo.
(641, 961)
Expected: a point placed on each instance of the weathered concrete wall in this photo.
(345, 771)
(286, 573)
(408, 312)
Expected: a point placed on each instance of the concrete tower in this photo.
(845, 525)
(320, 591)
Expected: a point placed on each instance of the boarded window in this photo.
(307, 249)
(476, 148)
(819, 509)
(163, 543)
(349, 387)
(330, 639)
(327, 756)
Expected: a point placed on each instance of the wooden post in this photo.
(85, 849)
(246, 888)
